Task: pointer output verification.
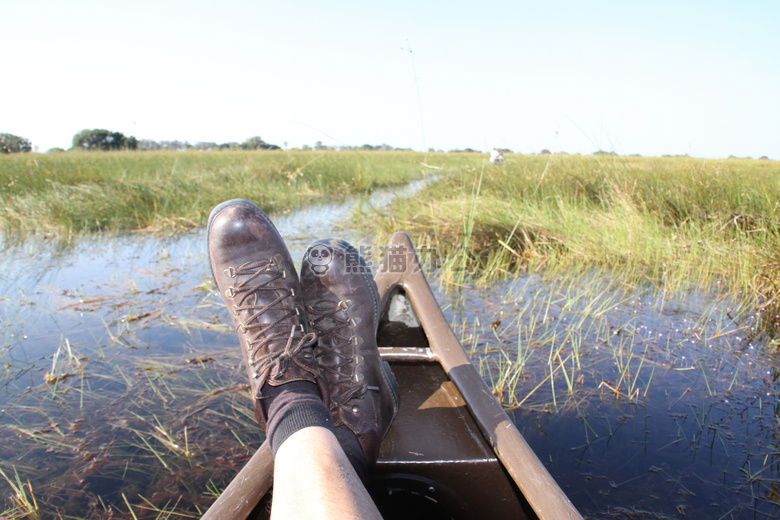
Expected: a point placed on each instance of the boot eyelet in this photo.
(284, 274)
(300, 327)
(353, 322)
(297, 311)
(357, 359)
(230, 292)
(230, 272)
(356, 340)
(355, 408)
(235, 310)
(292, 292)
(345, 304)
(307, 354)
(358, 377)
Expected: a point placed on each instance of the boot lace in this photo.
(254, 280)
(328, 320)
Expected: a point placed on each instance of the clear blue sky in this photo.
(654, 77)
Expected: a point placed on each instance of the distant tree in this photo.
(148, 145)
(55, 150)
(545, 152)
(257, 143)
(602, 152)
(10, 143)
(319, 146)
(101, 139)
(230, 146)
(204, 146)
(382, 147)
(175, 145)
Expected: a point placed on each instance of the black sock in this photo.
(291, 407)
(297, 405)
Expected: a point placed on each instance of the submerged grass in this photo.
(74, 193)
(23, 500)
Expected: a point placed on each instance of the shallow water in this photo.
(693, 429)
(122, 385)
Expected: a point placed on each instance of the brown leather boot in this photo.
(257, 279)
(342, 303)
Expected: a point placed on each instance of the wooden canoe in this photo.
(452, 452)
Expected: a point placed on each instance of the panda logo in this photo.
(320, 257)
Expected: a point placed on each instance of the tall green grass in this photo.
(670, 221)
(73, 193)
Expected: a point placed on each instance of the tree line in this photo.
(99, 139)
(105, 140)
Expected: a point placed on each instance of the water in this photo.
(123, 387)
(693, 428)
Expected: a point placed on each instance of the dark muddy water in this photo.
(122, 386)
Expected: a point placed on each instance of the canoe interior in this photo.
(434, 462)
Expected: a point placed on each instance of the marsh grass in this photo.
(675, 222)
(137, 421)
(75, 193)
(560, 341)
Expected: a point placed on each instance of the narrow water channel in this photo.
(122, 387)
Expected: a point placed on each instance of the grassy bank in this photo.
(670, 221)
(73, 193)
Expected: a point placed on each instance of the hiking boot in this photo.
(258, 282)
(342, 304)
